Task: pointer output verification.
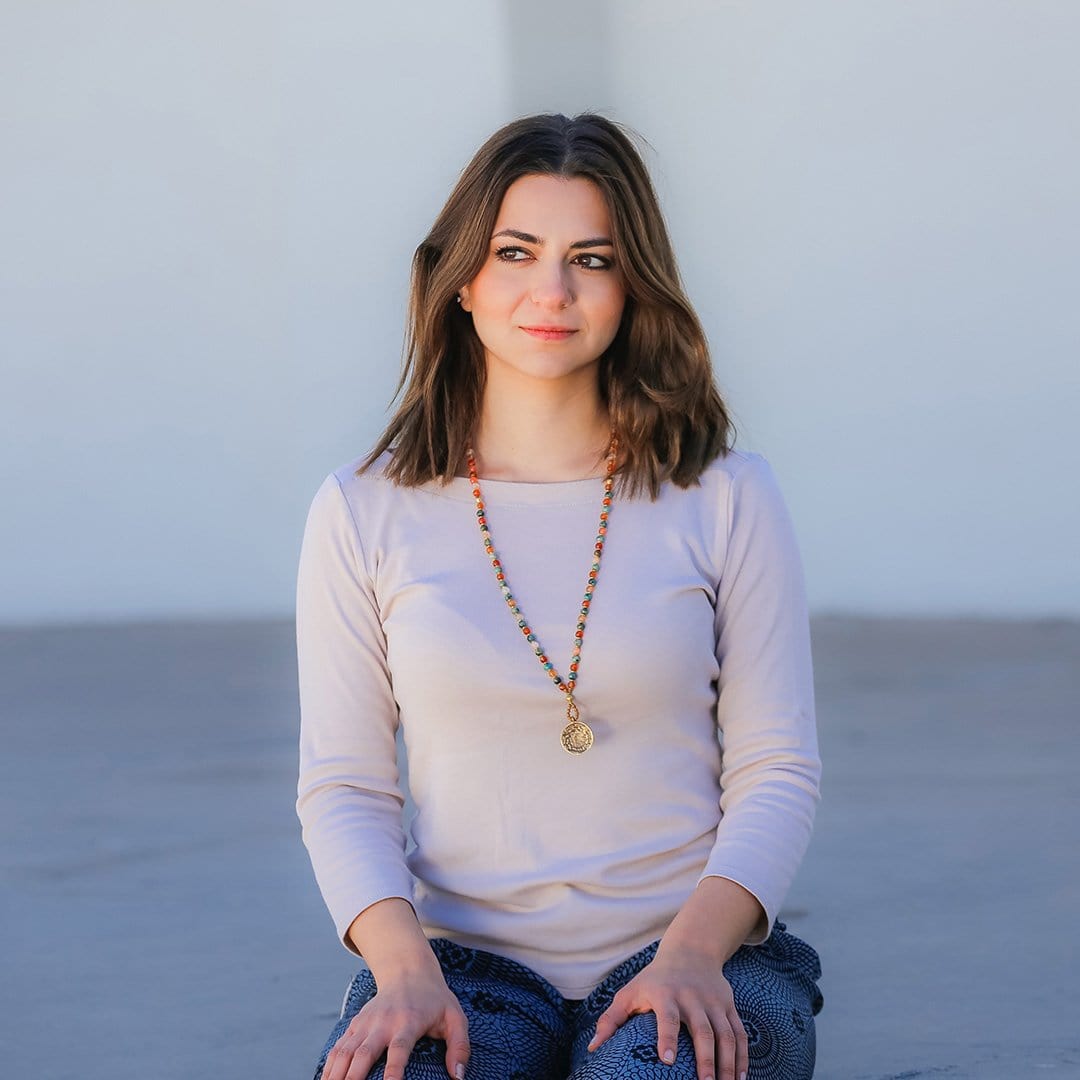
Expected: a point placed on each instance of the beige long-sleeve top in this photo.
(695, 676)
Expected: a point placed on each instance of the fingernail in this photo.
(742, 1076)
(459, 1072)
(669, 1056)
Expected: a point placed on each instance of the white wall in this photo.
(876, 207)
(207, 213)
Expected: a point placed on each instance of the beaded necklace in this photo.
(577, 736)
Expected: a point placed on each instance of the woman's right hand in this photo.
(400, 1013)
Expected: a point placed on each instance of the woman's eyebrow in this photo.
(595, 241)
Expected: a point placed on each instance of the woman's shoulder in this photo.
(732, 462)
(737, 465)
(362, 477)
(351, 484)
(353, 477)
(739, 484)
(369, 489)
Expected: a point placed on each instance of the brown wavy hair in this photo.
(655, 377)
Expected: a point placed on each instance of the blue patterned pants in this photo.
(521, 1028)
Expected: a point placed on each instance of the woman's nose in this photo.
(551, 289)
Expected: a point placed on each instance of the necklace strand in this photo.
(577, 736)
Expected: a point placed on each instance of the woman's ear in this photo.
(463, 298)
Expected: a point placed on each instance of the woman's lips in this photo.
(548, 333)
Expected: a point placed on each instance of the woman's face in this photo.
(548, 300)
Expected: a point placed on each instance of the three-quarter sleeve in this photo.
(348, 796)
(770, 769)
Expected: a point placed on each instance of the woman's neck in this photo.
(554, 432)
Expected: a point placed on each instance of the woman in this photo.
(594, 884)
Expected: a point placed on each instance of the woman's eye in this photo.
(510, 254)
(593, 262)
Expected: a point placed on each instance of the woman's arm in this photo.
(350, 803)
(349, 800)
(765, 713)
(714, 922)
(770, 771)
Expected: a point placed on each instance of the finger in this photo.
(701, 1032)
(337, 1061)
(742, 1047)
(610, 1020)
(364, 1058)
(725, 1041)
(352, 1038)
(457, 1044)
(397, 1057)
(667, 1033)
(340, 1057)
(348, 1056)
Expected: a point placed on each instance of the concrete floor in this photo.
(161, 919)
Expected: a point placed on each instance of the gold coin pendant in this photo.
(577, 737)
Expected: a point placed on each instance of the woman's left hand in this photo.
(684, 987)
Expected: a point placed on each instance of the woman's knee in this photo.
(780, 1039)
(781, 1046)
(631, 1054)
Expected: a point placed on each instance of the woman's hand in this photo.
(412, 999)
(399, 1014)
(684, 985)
